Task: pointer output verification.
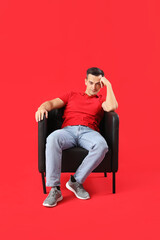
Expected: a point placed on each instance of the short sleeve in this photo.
(65, 97)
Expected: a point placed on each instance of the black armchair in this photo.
(109, 128)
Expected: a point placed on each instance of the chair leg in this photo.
(43, 182)
(114, 182)
(105, 174)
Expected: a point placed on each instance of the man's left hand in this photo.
(104, 82)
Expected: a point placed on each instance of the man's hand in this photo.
(48, 106)
(104, 82)
(40, 114)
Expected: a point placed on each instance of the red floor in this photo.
(131, 213)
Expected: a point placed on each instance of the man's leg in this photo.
(97, 147)
(56, 142)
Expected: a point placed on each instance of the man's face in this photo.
(93, 84)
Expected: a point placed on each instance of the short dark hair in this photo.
(95, 71)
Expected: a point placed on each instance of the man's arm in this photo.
(48, 106)
(111, 103)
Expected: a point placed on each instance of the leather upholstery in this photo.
(71, 158)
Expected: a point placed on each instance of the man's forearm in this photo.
(111, 103)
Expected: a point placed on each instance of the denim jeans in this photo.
(68, 137)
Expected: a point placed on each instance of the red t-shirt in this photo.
(81, 109)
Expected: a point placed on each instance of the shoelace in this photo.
(80, 186)
(53, 192)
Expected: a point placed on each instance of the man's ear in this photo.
(86, 81)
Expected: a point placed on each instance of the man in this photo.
(82, 115)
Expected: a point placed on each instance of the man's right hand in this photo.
(48, 106)
(40, 114)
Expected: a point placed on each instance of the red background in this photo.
(45, 48)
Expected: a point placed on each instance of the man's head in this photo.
(92, 81)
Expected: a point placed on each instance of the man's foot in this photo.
(54, 196)
(77, 189)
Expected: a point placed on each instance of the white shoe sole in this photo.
(71, 189)
(58, 200)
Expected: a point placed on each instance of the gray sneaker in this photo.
(77, 189)
(54, 196)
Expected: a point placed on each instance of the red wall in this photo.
(46, 47)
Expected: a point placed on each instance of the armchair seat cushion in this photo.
(73, 157)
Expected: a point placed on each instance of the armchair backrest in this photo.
(55, 121)
(109, 128)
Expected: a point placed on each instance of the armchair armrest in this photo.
(111, 134)
(45, 127)
(42, 135)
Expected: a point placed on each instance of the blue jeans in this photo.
(68, 137)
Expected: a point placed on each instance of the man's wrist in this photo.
(108, 84)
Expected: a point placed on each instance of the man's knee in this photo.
(102, 146)
(54, 136)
